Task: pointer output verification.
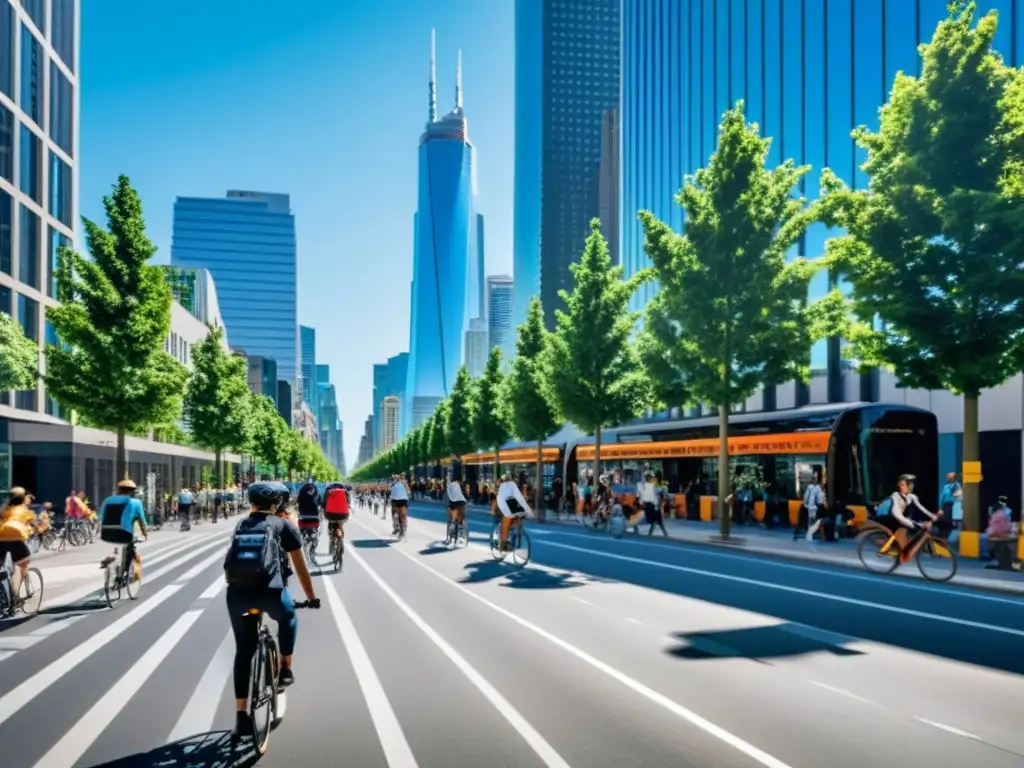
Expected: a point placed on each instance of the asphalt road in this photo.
(599, 653)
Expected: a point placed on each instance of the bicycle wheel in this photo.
(496, 552)
(521, 547)
(462, 530)
(132, 587)
(937, 554)
(869, 546)
(262, 695)
(78, 536)
(339, 553)
(31, 598)
(112, 585)
(49, 539)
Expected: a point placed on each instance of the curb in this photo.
(740, 544)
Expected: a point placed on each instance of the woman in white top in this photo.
(456, 509)
(648, 495)
(399, 502)
(509, 491)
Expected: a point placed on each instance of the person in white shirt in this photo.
(399, 502)
(647, 496)
(456, 510)
(911, 515)
(509, 494)
(814, 499)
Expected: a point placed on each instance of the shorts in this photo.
(458, 506)
(399, 504)
(334, 525)
(309, 523)
(184, 509)
(18, 550)
(336, 517)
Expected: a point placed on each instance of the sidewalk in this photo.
(780, 544)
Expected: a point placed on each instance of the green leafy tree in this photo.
(731, 313)
(268, 432)
(19, 356)
(532, 414)
(460, 415)
(491, 428)
(439, 449)
(114, 316)
(933, 245)
(217, 403)
(591, 365)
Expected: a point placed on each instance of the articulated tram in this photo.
(856, 450)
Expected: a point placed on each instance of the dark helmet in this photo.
(284, 495)
(264, 495)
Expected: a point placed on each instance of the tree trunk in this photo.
(724, 518)
(120, 460)
(497, 466)
(972, 492)
(597, 455)
(538, 482)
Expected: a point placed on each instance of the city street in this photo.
(600, 653)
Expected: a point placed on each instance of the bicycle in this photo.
(517, 536)
(311, 538)
(10, 603)
(118, 578)
(457, 529)
(878, 545)
(336, 549)
(263, 690)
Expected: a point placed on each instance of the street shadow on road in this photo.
(910, 617)
(518, 578)
(371, 543)
(208, 750)
(55, 614)
(757, 644)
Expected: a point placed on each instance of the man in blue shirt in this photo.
(119, 514)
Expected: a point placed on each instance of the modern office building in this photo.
(194, 289)
(809, 73)
(262, 376)
(390, 414)
(609, 184)
(500, 331)
(366, 443)
(327, 418)
(246, 240)
(567, 77)
(339, 461)
(447, 275)
(476, 347)
(285, 394)
(398, 374)
(307, 352)
(380, 391)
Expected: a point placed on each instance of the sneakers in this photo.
(285, 678)
(243, 725)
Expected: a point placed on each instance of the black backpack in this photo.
(254, 557)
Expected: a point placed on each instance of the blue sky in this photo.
(321, 99)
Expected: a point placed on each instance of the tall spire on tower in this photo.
(433, 75)
(458, 82)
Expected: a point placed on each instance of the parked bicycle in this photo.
(30, 598)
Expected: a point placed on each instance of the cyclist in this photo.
(256, 579)
(456, 508)
(309, 509)
(511, 504)
(119, 516)
(336, 509)
(906, 509)
(399, 501)
(16, 524)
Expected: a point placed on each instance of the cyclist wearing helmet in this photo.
(907, 510)
(511, 503)
(257, 580)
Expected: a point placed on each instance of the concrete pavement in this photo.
(598, 653)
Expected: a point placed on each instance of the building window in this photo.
(6, 228)
(31, 75)
(36, 10)
(62, 115)
(6, 143)
(6, 48)
(28, 316)
(60, 189)
(55, 239)
(31, 174)
(5, 300)
(28, 250)
(62, 30)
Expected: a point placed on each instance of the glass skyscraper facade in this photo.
(809, 72)
(567, 77)
(247, 242)
(38, 171)
(447, 275)
(500, 331)
(307, 351)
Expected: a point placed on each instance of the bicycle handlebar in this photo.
(314, 604)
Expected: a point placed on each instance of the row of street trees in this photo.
(111, 368)
(928, 255)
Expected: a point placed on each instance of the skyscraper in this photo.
(307, 344)
(380, 391)
(247, 242)
(500, 297)
(608, 186)
(38, 170)
(476, 347)
(446, 259)
(567, 77)
(389, 423)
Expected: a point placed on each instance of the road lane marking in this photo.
(794, 590)
(845, 693)
(585, 602)
(21, 695)
(947, 728)
(198, 715)
(69, 750)
(650, 694)
(530, 735)
(397, 751)
(635, 621)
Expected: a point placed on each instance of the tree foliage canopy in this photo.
(114, 316)
(731, 313)
(490, 418)
(19, 356)
(933, 244)
(591, 365)
(530, 409)
(217, 403)
(461, 439)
